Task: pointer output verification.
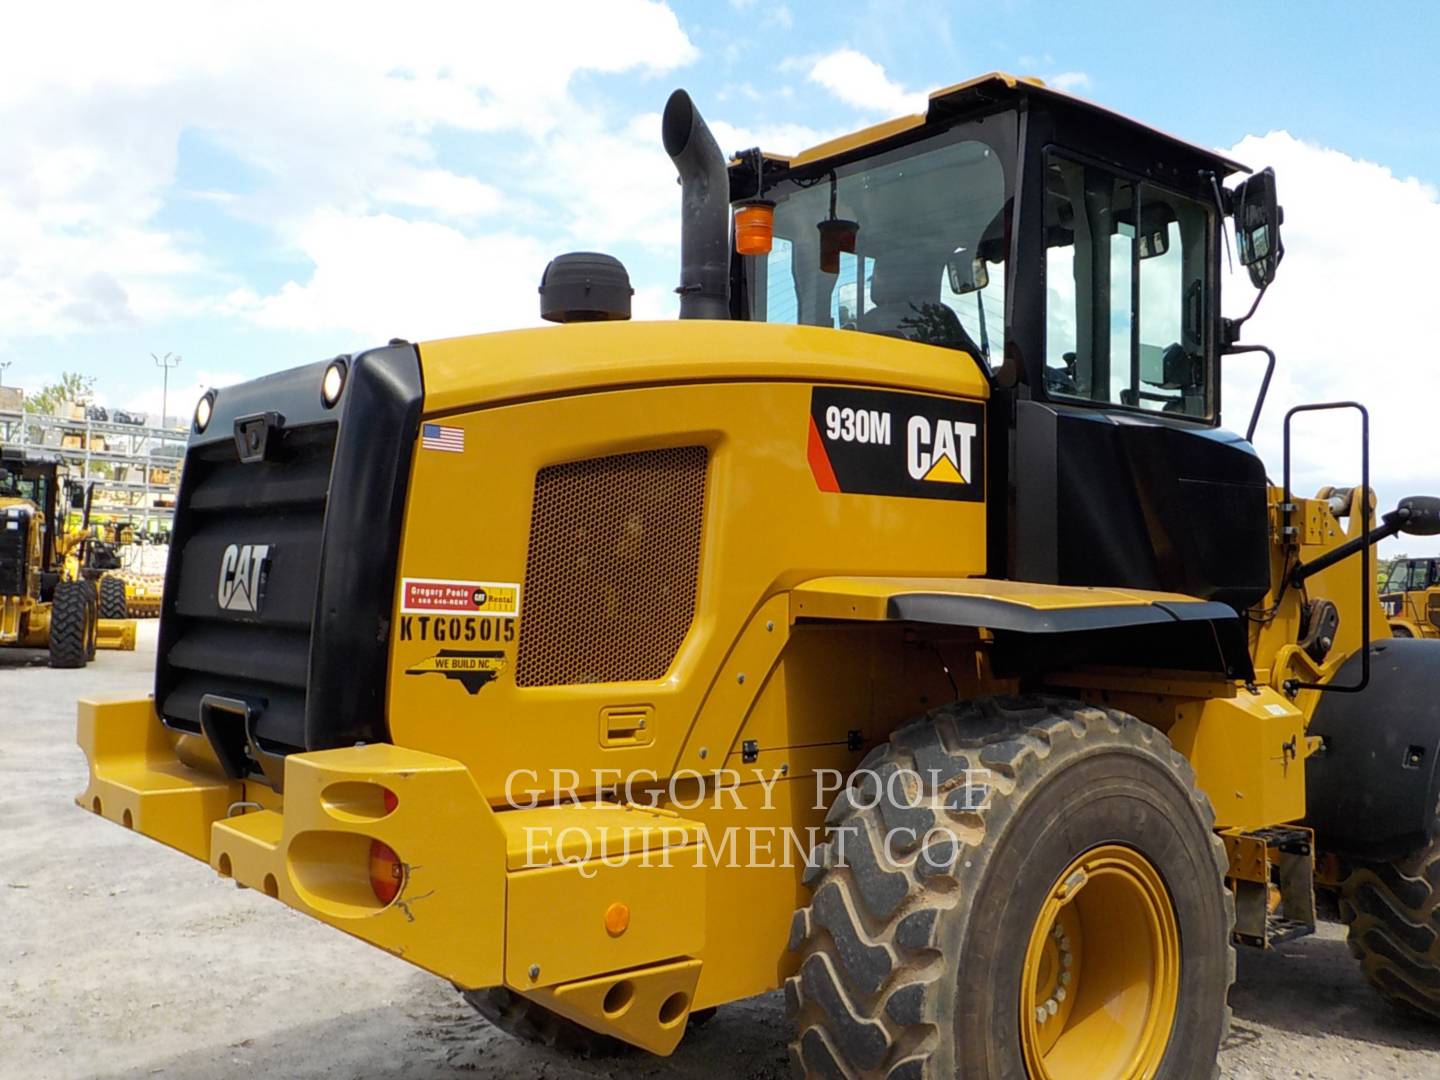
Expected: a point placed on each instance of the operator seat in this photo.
(906, 293)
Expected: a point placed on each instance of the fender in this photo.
(1372, 791)
(1077, 624)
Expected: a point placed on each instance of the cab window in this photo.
(1126, 280)
(910, 243)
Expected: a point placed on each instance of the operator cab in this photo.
(1412, 575)
(1075, 255)
(30, 520)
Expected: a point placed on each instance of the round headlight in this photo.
(333, 383)
(203, 410)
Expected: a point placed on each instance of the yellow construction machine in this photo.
(45, 602)
(1410, 594)
(899, 626)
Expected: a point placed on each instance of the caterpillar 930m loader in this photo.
(899, 627)
(44, 602)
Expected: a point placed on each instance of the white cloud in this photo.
(184, 391)
(857, 80)
(327, 108)
(379, 276)
(1069, 81)
(1350, 317)
(445, 192)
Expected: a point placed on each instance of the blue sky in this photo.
(197, 179)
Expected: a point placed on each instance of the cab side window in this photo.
(1126, 280)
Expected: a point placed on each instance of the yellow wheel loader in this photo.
(45, 603)
(899, 626)
(1411, 597)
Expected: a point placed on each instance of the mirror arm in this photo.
(1230, 328)
(1392, 524)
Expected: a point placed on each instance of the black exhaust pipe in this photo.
(704, 210)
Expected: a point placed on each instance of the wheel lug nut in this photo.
(1041, 1015)
(1052, 1006)
(1064, 978)
(1059, 993)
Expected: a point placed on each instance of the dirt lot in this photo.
(122, 958)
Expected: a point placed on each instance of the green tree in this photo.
(71, 386)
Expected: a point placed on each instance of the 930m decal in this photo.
(876, 442)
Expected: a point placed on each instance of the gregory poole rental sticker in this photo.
(421, 596)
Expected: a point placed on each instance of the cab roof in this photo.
(988, 89)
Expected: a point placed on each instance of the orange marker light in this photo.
(617, 919)
(386, 872)
(755, 227)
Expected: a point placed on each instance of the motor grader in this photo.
(45, 603)
(899, 626)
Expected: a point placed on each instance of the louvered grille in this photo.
(259, 655)
(612, 568)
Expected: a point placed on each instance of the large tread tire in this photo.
(92, 632)
(71, 623)
(910, 966)
(1393, 914)
(113, 604)
(530, 1022)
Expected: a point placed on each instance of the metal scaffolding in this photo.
(135, 469)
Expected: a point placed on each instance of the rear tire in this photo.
(71, 624)
(1393, 914)
(113, 604)
(917, 954)
(92, 634)
(523, 1019)
(1400, 632)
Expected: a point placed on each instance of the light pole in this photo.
(168, 361)
(3, 366)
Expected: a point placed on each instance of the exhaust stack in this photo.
(704, 210)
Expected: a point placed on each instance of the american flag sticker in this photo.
(440, 437)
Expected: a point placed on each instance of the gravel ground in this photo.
(121, 958)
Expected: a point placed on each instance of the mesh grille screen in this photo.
(612, 568)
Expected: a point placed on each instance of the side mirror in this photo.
(1420, 515)
(967, 273)
(1257, 227)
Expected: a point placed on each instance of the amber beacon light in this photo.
(755, 227)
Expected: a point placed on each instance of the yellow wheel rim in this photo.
(1102, 971)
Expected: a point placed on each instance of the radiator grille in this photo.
(612, 567)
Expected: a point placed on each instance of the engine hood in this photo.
(519, 365)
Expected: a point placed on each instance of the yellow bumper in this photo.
(577, 906)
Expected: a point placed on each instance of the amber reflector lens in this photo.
(617, 919)
(385, 872)
(755, 227)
